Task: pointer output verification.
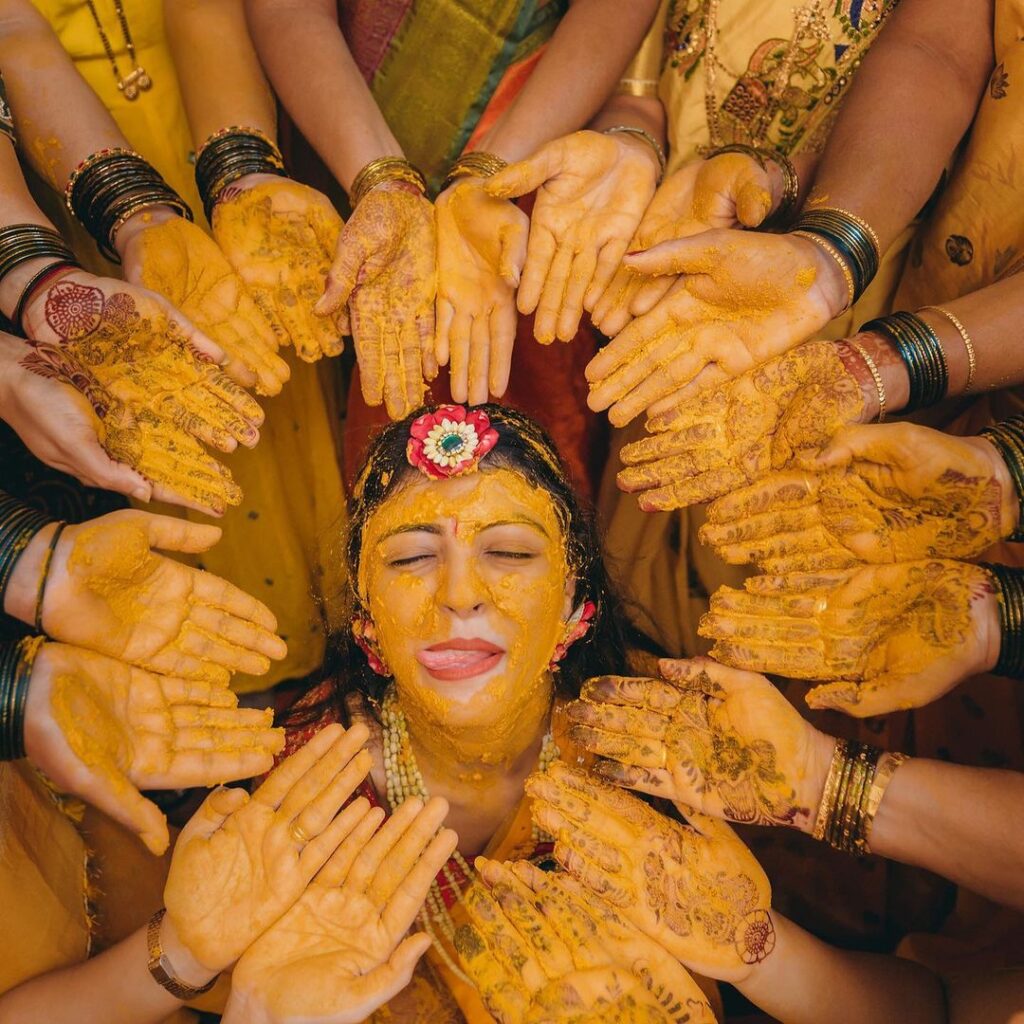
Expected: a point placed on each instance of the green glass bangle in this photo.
(1008, 440)
(16, 661)
(920, 350)
(19, 523)
(1009, 584)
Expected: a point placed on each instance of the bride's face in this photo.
(467, 585)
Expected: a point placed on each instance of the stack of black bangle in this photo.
(231, 154)
(921, 351)
(112, 185)
(1008, 438)
(21, 243)
(16, 661)
(851, 237)
(19, 523)
(1010, 591)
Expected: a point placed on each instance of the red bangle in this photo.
(33, 286)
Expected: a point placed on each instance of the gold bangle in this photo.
(626, 129)
(237, 129)
(968, 344)
(828, 793)
(875, 375)
(382, 170)
(476, 164)
(160, 967)
(637, 87)
(827, 247)
(887, 765)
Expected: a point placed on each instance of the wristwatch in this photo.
(160, 967)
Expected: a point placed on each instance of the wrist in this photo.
(1009, 504)
(831, 283)
(640, 140)
(821, 752)
(139, 222)
(23, 585)
(187, 968)
(244, 1007)
(893, 381)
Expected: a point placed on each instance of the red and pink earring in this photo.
(577, 626)
(364, 632)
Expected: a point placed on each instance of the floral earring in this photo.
(364, 632)
(577, 626)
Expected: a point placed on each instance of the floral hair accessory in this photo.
(450, 441)
(365, 636)
(576, 627)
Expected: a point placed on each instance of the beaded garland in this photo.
(404, 780)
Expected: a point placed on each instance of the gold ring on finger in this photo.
(299, 834)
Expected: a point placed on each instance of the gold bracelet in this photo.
(875, 375)
(475, 164)
(160, 967)
(827, 247)
(887, 765)
(626, 129)
(828, 794)
(382, 170)
(968, 344)
(637, 87)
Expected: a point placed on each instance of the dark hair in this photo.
(525, 448)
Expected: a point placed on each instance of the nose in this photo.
(461, 591)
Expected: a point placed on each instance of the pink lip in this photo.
(460, 658)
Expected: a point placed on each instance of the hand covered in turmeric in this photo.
(241, 863)
(58, 425)
(724, 192)
(280, 238)
(102, 730)
(540, 947)
(342, 950)
(178, 260)
(763, 420)
(894, 636)
(481, 246)
(109, 591)
(692, 887)
(894, 493)
(742, 299)
(381, 287)
(592, 189)
(716, 739)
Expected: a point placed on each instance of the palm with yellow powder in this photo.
(892, 636)
(592, 189)
(102, 730)
(243, 862)
(723, 192)
(481, 246)
(280, 238)
(692, 887)
(722, 741)
(179, 261)
(381, 289)
(342, 950)
(108, 590)
(763, 420)
(891, 493)
(741, 299)
(540, 947)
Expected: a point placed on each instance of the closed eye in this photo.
(398, 563)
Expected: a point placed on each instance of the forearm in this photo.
(17, 207)
(991, 317)
(306, 58)
(581, 66)
(892, 140)
(221, 81)
(114, 987)
(964, 824)
(60, 119)
(806, 981)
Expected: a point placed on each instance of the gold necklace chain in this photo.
(137, 80)
(403, 780)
